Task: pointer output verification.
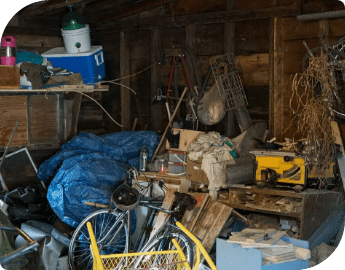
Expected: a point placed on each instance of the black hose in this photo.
(193, 61)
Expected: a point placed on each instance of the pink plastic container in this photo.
(8, 55)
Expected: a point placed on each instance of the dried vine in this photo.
(313, 111)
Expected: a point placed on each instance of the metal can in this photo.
(144, 157)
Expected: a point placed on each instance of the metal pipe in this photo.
(321, 16)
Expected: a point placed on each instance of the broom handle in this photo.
(171, 119)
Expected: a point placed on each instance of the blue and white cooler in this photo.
(90, 64)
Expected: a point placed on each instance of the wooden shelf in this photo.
(83, 88)
(314, 205)
(261, 209)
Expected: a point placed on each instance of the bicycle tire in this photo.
(111, 233)
(165, 243)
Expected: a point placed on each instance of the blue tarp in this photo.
(90, 168)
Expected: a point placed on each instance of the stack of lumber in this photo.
(269, 241)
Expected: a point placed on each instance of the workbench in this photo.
(312, 206)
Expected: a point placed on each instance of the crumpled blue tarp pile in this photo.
(90, 168)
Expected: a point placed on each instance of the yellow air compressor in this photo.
(274, 167)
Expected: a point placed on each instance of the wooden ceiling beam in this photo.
(34, 22)
(203, 18)
(130, 10)
(106, 5)
(47, 6)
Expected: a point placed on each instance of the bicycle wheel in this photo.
(165, 243)
(111, 233)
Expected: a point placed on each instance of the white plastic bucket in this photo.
(77, 41)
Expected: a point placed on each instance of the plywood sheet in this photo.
(43, 115)
(13, 109)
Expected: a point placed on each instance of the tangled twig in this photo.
(314, 93)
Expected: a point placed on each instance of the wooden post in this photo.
(324, 29)
(156, 117)
(278, 79)
(229, 47)
(190, 35)
(125, 71)
(271, 79)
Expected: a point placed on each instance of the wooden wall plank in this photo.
(271, 79)
(13, 109)
(230, 127)
(43, 119)
(156, 44)
(294, 29)
(252, 36)
(38, 41)
(209, 39)
(278, 78)
(125, 71)
(254, 69)
(336, 27)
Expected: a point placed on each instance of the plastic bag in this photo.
(211, 108)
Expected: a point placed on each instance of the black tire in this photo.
(111, 233)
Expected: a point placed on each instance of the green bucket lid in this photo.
(73, 25)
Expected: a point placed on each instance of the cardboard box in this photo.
(194, 172)
(186, 137)
(9, 77)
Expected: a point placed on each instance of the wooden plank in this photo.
(191, 35)
(38, 41)
(168, 179)
(190, 218)
(43, 119)
(211, 222)
(271, 79)
(15, 30)
(13, 109)
(34, 22)
(127, 11)
(278, 78)
(294, 29)
(167, 204)
(252, 37)
(125, 71)
(45, 7)
(253, 69)
(316, 208)
(68, 118)
(229, 47)
(203, 18)
(209, 39)
(336, 27)
(156, 44)
(75, 113)
(10, 77)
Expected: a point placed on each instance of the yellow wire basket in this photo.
(157, 260)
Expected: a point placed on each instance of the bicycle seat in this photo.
(186, 200)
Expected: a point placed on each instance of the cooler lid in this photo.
(61, 52)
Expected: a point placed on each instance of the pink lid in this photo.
(8, 41)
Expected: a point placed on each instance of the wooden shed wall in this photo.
(289, 51)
